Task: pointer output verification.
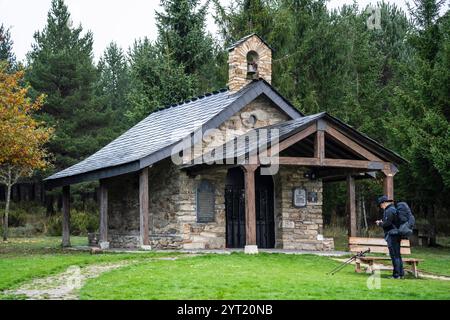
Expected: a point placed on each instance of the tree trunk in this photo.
(359, 212)
(366, 227)
(8, 201)
(49, 200)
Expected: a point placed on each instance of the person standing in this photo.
(393, 239)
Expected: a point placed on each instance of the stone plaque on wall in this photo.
(299, 197)
(205, 202)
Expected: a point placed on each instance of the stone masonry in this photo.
(299, 228)
(237, 61)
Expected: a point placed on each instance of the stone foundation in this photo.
(126, 241)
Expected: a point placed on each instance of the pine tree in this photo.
(182, 31)
(427, 37)
(418, 125)
(245, 17)
(182, 63)
(156, 81)
(62, 69)
(113, 82)
(183, 37)
(6, 47)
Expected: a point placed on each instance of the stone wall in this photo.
(166, 201)
(123, 211)
(164, 204)
(265, 113)
(295, 228)
(299, 228)
(173, 216)
(203, 235)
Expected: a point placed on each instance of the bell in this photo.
(252, 69)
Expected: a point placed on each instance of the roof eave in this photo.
(99, 174)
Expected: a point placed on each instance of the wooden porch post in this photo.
(144, 207)
(351, 205)
(103, 241)
(319, 143)
(66, 217)
(388, 185)
(250, 209)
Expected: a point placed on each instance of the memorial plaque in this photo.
(299, 197)
(313, 197)
(205, 202)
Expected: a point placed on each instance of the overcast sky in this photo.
(110, 20)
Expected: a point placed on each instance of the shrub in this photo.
(54, 225)
(29, 230)
(17, 218)
(81, 223)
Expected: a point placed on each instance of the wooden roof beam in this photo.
(293, 139)
(351, 144)
(337, 163)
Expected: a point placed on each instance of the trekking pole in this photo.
(340, 267)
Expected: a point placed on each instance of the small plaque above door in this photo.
(299, 197)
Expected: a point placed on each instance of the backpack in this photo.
(405, 219)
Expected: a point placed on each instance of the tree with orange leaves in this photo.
(22, 138)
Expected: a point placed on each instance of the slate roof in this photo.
(240, 41)
(289, 128)
(151, 139)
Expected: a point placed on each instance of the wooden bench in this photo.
(379, 245)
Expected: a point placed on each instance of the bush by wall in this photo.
(27, 219)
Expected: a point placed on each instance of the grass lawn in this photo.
(266, 276)
(25, 259)
(236, 276)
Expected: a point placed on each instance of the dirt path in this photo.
(66, 285)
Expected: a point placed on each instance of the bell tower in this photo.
(249, 58)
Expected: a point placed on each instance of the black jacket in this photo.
(389, 219)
